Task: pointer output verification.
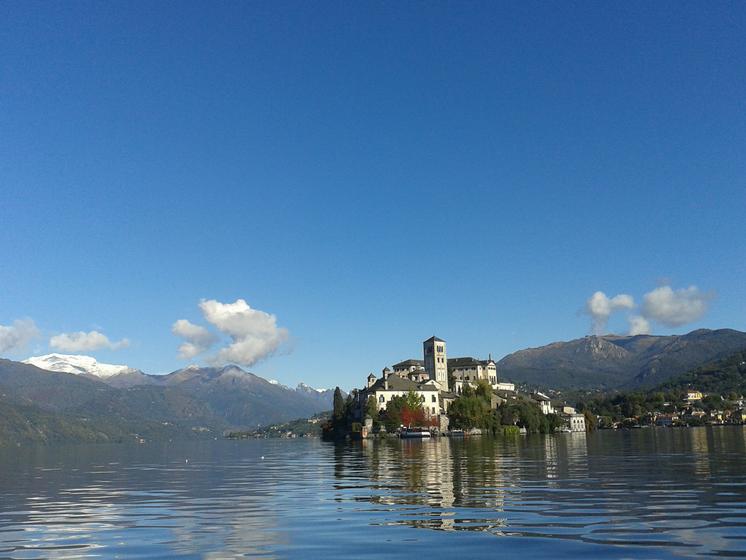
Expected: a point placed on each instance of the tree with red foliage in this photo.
(411, 417)
(412, 412)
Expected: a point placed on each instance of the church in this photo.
(436, 379)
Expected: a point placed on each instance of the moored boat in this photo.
(414, 433)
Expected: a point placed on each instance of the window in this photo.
(434, 398)
(433, 410)
(381, 399)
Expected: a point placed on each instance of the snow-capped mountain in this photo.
(79, 365)
(305, 388)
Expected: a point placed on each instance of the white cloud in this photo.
(600, 307)
(197, 339)
(85, 342)
(674, 308)
(638, 325)
(15, 337)
(254, 334)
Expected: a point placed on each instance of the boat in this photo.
(456, 433)
(414, 433)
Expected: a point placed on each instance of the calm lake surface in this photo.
(655, 493)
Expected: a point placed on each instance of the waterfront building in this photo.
(389, 386)
(450, 373)
(545, 403)
(576, 422)
(429, 379)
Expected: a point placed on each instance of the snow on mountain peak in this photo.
(79, 365)
(305, 387)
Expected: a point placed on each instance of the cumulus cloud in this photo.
(85, 342)
(600, 307)
(15, 337)
(197, 339)
(674, 308)
(663, 305)
(254, 334)
(638, 325)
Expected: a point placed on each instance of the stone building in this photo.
(429, 379)
(436, 361)
(389, 385)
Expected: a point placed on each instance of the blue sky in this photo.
(369, 173)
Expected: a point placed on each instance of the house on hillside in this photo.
(544, 402)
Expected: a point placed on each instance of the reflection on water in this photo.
(647, 493)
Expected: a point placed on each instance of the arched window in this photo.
(381, 399)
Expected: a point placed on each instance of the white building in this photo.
(390, 386)
(414, 370)
(459, 371)
(576, 422)
(473, 371)
(545, 403)
(429, 379)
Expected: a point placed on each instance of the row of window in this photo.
(433, 398)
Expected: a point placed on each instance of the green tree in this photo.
(392, 416)
(371, 409)
(484, 391)
(338, 411)
(341, 421)
(590, 420)
(473, 409)
(554, 421)
(413, 401)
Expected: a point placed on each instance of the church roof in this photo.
(462, 362)
(408, 363)
(397, 383)
(434, 339)
(467, 361)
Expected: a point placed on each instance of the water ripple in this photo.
(651, 493)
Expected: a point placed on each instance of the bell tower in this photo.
(436, 362)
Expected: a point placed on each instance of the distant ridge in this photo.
(618, 362)
(191, 402)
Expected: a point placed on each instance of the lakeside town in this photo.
(438, 395)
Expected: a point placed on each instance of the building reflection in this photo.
(436, 481)
(700, 445)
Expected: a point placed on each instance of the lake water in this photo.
(656, 493)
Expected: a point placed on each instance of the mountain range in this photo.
(81, 399)
(61, 397)
(618, 362)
